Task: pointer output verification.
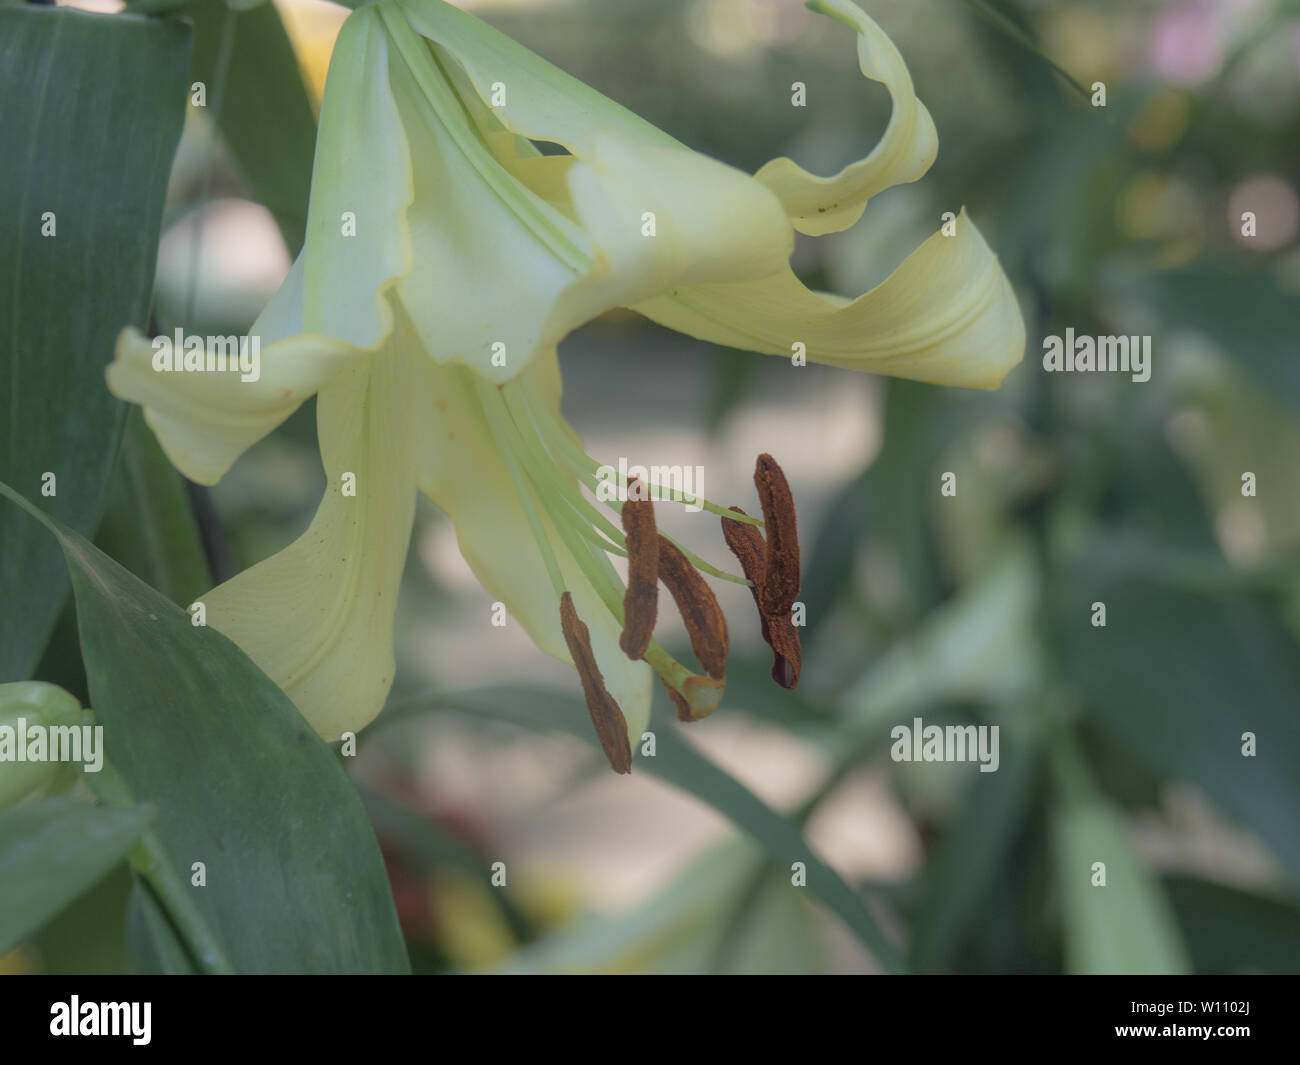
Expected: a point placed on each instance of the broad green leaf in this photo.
(92, 112)
(1125, 926)
(89, 935)
(1178, 676)
(152, 941)
(294, 878)
(1233, 931)
(677, 762)
(51, 852)
(981, 647)
(973, 855)
(257, 94)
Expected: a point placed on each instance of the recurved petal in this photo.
(947, 316)
(464, 473)
(318, 616)
(659, 216)
(818, 205)
(204, 421)
(527, 248)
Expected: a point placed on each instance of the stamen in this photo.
(787, 653)
(641, 601)
(702, 694)
(780, 587)
(698, 606)
(517, 429)
(779, 631)
(606, 716)
(746, 543)
(568, 455)
(684, 711)
(552, 474)
(584, 467)
(499, 425)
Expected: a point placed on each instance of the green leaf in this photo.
(1243, 309)
(1176, 677)
(89, 935)
(917, 427)
(1234, 931)
(674, 930)
(295, 882)
(1000, 22)
(152, 940)
(834, 549)
(93, 106)
(981, 647)
(677, 762)
(51, 852)
(974, 853)
(679, 929)
(261, 105)
(428, 845)
(1126, 926)
(1052, 189)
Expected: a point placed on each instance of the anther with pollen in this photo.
(641, 601)
(780, 587)
(698, 606)
(772, 567)
(606, 716)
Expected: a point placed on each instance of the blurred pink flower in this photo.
(1190, 38)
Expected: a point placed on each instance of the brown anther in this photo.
(779, 631)
(787, 653)
(611, 725)
(641, 601)
(780, 586)
(746, 543)
(698, 607)
(684, 711)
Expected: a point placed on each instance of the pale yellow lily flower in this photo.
(446, 257)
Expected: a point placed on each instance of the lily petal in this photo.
(711, 222)
(494, 258)
(357, 244)
(464, 473)
(542, 101)
(818, 205)
(318, 616)
(205, 421)
(524, 264)
(946, 316)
